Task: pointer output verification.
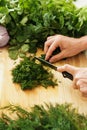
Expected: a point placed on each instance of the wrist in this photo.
(82, 43)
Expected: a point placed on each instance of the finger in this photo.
(83, 88)
(77, 83)
(50, 37)
(50, 50)
(82, 85)
(82, 74)
(81, 81)
(57, 57)
(47, 44)
(74, 85)
(69, 68)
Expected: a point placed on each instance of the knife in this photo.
(64, 73)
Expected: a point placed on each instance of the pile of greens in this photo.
(29, 75)
(58, 117)
(31, 21)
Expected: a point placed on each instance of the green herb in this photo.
(58, 117)
(20, 51)
(24, 48)
(30, 75)
(42, 56)
(31, 21)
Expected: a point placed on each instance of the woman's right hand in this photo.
(79, 75)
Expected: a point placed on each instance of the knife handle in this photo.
(67, 75)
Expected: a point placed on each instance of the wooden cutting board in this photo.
(12, 94)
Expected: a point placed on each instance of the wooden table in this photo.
(64, 92)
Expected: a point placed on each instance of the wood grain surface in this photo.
(11, 93)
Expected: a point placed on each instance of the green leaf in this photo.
(22, 55)
(24, 48)
(24, 20)
(13, 54)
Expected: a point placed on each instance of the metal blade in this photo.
(46, 63)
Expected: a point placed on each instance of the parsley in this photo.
(31, 21)
(30, 75)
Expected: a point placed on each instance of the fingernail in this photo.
(58, 68)
(45, 58)
(51, 61)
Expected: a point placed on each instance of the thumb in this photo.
(69, 68)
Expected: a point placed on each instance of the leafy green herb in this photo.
(24, 48)
(32, 23)
(13, 54)
(20, 51)
(58, 117)
(30, 75)
(42, 56)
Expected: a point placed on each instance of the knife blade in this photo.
(46, 63)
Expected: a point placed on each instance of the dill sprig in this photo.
(58, 117)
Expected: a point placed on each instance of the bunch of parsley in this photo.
(31, 21)
(29, 75)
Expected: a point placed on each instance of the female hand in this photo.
(79, 75)
(68, 46)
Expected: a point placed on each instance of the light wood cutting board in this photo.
(12, 94)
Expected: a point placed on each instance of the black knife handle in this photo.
(67, 75)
